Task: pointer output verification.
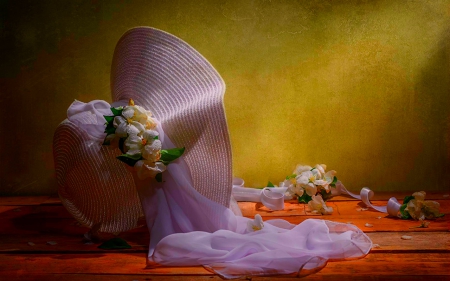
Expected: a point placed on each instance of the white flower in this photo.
(319, 171)
(419, 209)
(125, 127)
(152, 151)
(414, 208)
(134, 120)
(306, 181)
(139, 114)
(317, 205)
(296, 189)
(420, 196)
(146, 144)
(301, 168)
(256, 224)
(286, 183)
(145, 169)
(431, 209)
(327, 180)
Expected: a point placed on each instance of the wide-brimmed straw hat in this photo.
(165, 75)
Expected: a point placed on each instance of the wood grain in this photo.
(43, 219)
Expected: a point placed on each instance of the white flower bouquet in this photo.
(415, 207)
(133, 130)
(311, 185)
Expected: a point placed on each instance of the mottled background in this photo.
(362, 86)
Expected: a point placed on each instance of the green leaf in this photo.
(404, 214)
(291, 177)
(109, 119)
(158, 177)
(334, 180)
(156, 138)
(115, 243)
(305, 198)
(130, 160)
(117, 111)
(110, 129)
(407, 199)
(169, 155)
(269, 184)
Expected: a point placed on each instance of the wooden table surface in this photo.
(27, 224)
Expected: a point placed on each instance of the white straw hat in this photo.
(165, 75)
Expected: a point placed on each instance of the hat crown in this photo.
(165, 75)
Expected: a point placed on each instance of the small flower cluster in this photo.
(312, 185)
(415, 207)
(133, 130)
(256, 224)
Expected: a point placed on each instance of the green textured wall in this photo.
(362, 86)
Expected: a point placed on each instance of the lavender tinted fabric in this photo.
(188, 229)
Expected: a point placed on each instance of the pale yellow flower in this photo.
(256, 224)
(317, 205)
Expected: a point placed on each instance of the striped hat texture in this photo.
(165, 75)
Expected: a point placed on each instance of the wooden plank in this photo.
(52, 200)
(33, 220)
(4, 209)
(74, 243)
(69, 243)
(420, 242)
(372, 224)
(58, 226)
(378, 196)
(250, 209)
(22, 200)
(23, 276)
(140, 277)
(383, 264)
(392, 264)
(384, 196)
(103, 263)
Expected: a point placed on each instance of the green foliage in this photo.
(117, 111)
(305, 198)
(115, 243)
(269, 184)
(333, 183)
(291, 177)
(169, 155)
(404, 214)
(130, 160)
(110, 129)
(109, 119)
(407, 199)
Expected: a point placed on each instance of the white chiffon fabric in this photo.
(187, 229)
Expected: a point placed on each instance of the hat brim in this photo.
(167, 76)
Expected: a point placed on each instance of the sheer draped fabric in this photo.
(188, 229)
